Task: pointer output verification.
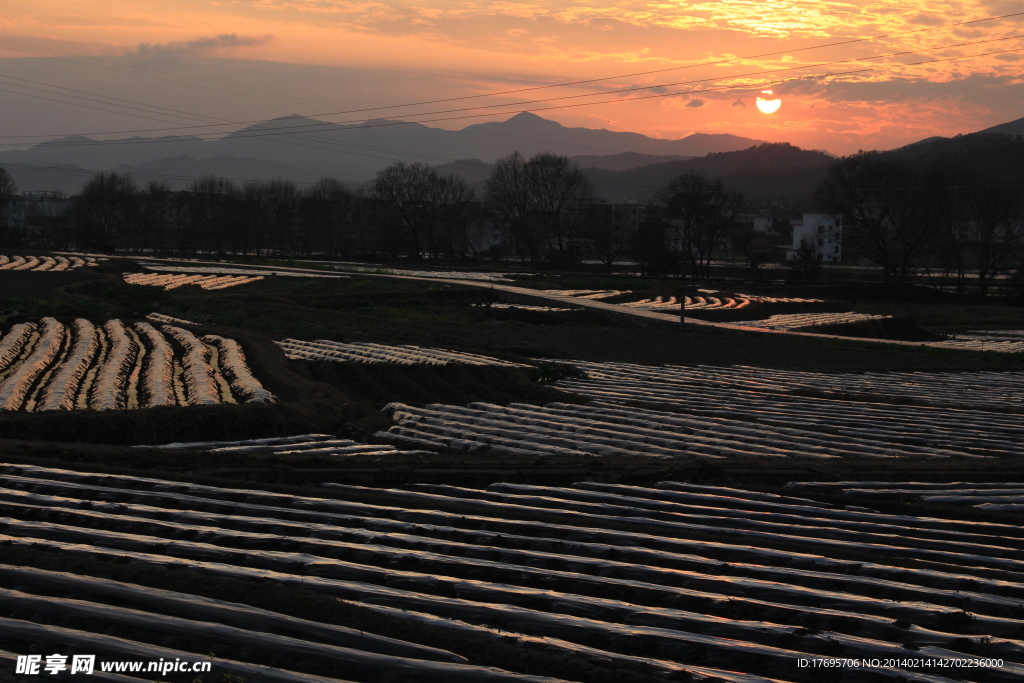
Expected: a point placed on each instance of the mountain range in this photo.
(622, 165)
(304, 149)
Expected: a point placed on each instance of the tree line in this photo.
(947, 215)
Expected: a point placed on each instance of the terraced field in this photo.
(1003, 497)
(367, 352)
(169, 282)
(878, 412)
(52, 366)
(801, 321)
(670, 582)
(300, 444)
(45, 263)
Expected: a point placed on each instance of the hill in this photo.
(765, 171)
(302, 148)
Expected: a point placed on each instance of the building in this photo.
(820, 232)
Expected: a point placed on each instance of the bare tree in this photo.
(209, 220)
(105, 211)
(541, 202)
(981, 220)
(327, 213)
(8, 190)
(887, 214)
(507, 196)
(451, 197)
(701, 211)
(406, 190)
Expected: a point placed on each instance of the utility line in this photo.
(320, 126)
(598, 80)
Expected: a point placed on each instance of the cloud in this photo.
(204, 45)
(695, 103)
(739, 103)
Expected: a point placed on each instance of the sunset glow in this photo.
(665, 69)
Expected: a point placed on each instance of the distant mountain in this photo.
(625, 161)
(766, 171)
(1010, 128)
(295, 147)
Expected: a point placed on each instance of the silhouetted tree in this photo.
(105, 210)
(887, 214)
(701, 212)
(211, 217)
(8, 191)
(541, 202)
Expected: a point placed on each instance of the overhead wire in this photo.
(323, 126)
(609, 78)
(290, 130)
(857, 71)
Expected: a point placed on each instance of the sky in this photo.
(110, 68)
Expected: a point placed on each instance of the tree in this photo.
(211, 216)
(327, 216)
(406, 190)
(105, 211)
(701, 212)
(541, 202)
(507, 196)
(980, 217)
(8, 190)
(758, 248)
(886, 213)
(451, 197)
(558, 192)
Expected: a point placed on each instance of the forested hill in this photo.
(769, 170)
(999, 154)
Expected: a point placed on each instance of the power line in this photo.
(323, 126)
(857, 71)
(588, 81)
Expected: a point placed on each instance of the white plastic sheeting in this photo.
(200, 385)
(15, 388)
(169, 282)
(303, 444)
(43, 263)
(561, 579)
(62, 390)
(367, 352)
(233, 366)
(108, 390)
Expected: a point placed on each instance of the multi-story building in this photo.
(821, 232)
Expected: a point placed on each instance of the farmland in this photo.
(394, 475)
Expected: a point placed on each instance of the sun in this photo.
(768, 106)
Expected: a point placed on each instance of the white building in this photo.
(820, 231)
(760, 221)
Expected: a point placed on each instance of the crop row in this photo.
(607, 429)
(526, 307)
(301, 444)
(977, 342)
(796, 321)
(971, 429)
(42, 263)
(169, 320)
(50, 366)
(692, 303)
(169, 282)
(990, 496)
(542, 563)
(234, 271)
(367, 352)
(964, 389)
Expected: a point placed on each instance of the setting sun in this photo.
(768, 106)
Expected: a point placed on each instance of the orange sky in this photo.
(316, 56)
